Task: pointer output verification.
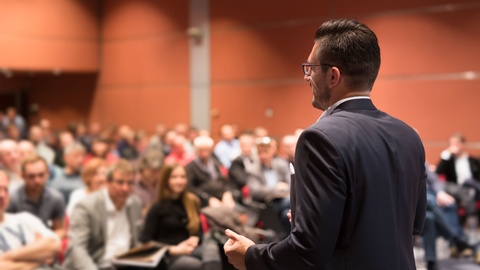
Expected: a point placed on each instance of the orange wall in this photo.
(39, 35)
(257, 49)
(144, 73)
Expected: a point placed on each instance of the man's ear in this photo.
(335, 76)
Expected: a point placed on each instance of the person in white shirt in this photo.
(106, 222)
(25, 242)
(94, 176)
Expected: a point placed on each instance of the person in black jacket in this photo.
(174, 220)
(358, 190)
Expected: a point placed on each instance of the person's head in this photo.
(94, 174)
(150, 165)
(4, 195)
(94, 129)
(203, 147)
(65, 139)
(260, 132)
(247, 143)
(344, 62)
(11, 112)
(173, 185)
(73, 155)
(99, 147)
(25, 149)
(265, 150)
(178, 145)
(13, 132)
(35, 134)
(227, 132)
(169, 137)
(120, 181)
(289, 142)
(181, 129)
(9, 156)
(80, 130)
(35, 172)
(457, 143)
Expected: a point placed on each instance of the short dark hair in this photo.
(353, 48)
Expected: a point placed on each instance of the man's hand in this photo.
(235, 249)
(289, 215)
(443, 199)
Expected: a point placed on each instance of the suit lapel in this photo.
(102, 215)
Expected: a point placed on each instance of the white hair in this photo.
(203, 141)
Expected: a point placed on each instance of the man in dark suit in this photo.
(359, 193)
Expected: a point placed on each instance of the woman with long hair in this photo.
(174, 220)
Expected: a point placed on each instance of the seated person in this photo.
(100, 149)
(179, 153)
(94, 176)
(25, 241)
(269, 180)
(238, 172)
(10, 162)
(441, 220)
(149, 167)
(36, 198)
(69, 179)
(462, 173)
(206, 177)
(174, 219)
(106, 222)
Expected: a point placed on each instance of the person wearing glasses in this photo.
(34, 197)
(106, 222)
(358, 190)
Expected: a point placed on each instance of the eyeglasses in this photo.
(33, 176)
(307, 67)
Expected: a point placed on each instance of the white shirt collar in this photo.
(109, 205)
(330, 109)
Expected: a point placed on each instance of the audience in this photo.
(34, 197)
(228, 147)
(94, 176)
(106, 222)
(241, 165)
(112, 217)
(462, 173)
(206, 176)
(68, 179)
(25, 242)
(10, 162)
(149, 167)
(269, 180)
(178, 153)
(174, 220)
(42, 149)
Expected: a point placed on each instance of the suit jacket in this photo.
(201, 182)
(257, 182)
(358, 195)
(88, 230)
(447, 168)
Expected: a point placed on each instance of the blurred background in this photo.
(208, 63)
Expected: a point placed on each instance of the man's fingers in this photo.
(232, 235)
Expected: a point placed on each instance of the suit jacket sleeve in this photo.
(78, 257)
(421, 207)
(317, 209)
